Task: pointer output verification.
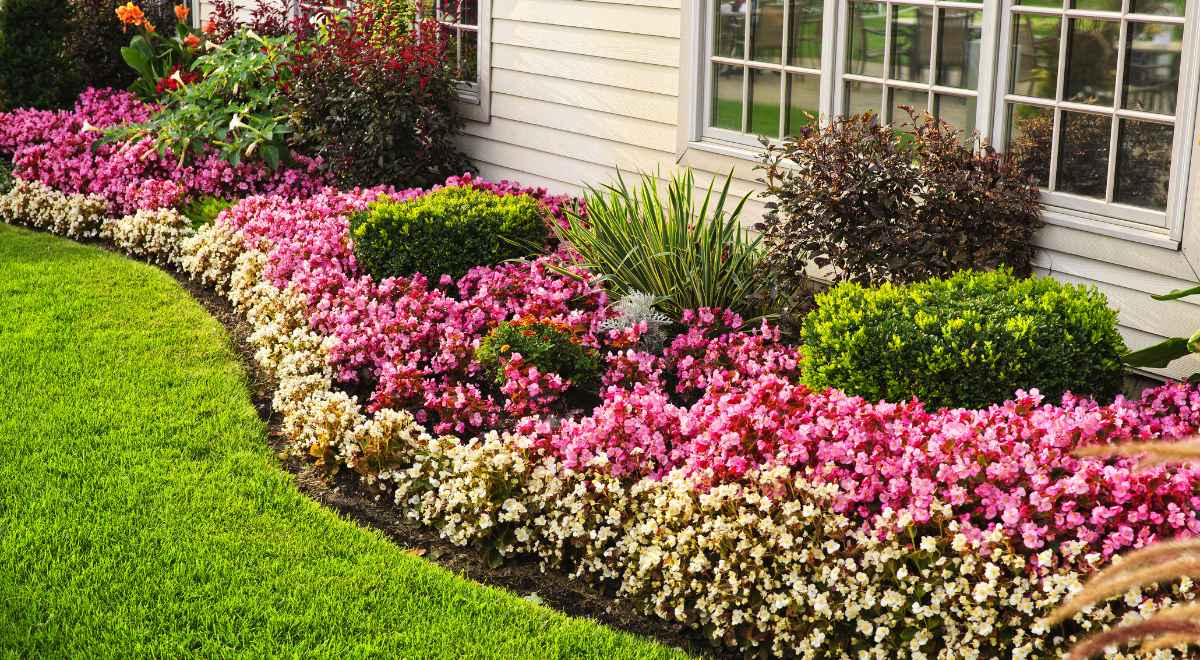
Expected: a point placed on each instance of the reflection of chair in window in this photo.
(766, 26)
(1035, 61)
(731, 24)
(959, 50)
(1152, 77)
(866, 43)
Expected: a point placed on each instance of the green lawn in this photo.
(142, 514)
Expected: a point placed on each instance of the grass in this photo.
(142, 514)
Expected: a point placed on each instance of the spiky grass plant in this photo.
(686, 255)
(1149, 566)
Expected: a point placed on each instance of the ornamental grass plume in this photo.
(1149, 566)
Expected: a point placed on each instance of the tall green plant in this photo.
(237, 107)
(1167, 351)
(686, 255)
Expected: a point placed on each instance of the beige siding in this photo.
(579, 88)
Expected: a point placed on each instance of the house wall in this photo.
(580, 87)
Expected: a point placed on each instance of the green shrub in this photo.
(686, 255)
(204, 210)
(448, 231)
(547, 345)
(970, 340)
(34, 72)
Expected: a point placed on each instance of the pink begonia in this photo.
(62, 150)
(414, 341)
(721, 401)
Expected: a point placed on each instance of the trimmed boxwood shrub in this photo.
(448, 231)
(6, 177)
(548, 345)
(970, 340)
(204, 210)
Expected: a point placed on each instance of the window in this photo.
(1085, 92)
(463, 26)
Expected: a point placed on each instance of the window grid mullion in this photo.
(935, 51)
(746, 36)
(784, 83)
(1118, 95)
(885, 111)
(1056, 134)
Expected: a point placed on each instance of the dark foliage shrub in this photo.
(448, 231)
(970, 340)
(880, 205)
(204, 210)
(380, 111)
(34, 73)
(548, 345)
(94, 40)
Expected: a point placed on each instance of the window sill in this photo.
(741, 152)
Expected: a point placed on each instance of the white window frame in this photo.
(475, 97)
(1161, 229)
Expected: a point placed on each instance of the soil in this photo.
(345, 495)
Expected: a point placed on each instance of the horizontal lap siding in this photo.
(581, 87)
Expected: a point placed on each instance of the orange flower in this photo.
(181, 13)
(131, 14)
(149, 27)
(210, 26)
(191, 41)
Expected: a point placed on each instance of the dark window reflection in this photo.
(1092, 61)
(1031, 139)
(1144, 164)
(1083, 154)
(1152, 67)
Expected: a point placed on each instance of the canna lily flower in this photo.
(181, 13)
(210, 26)
(131, 14)
(191, 41)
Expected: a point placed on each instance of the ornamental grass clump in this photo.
(688, 256)
(446, 232)
(967, 341)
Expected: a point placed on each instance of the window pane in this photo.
(1040, 3)
(1083, 154)
(862, 97)
(1092, 61)
(1097, 5)
(1030, 139)
(864, 46)
(467, 11)
(958, 111)
(766, 31)
(919, 101)
(1144, 164)
(731, 28)
(1035, 55)
(804, 100)
(1160, 7)
(807, 22)
(727, 97)
(469, 57)
(1152, 67)
(912, 42)
(958, 59)
(765, 89)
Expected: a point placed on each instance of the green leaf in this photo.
(1178, 293)
(1159, 355)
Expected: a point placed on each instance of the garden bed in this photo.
(646, 427)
